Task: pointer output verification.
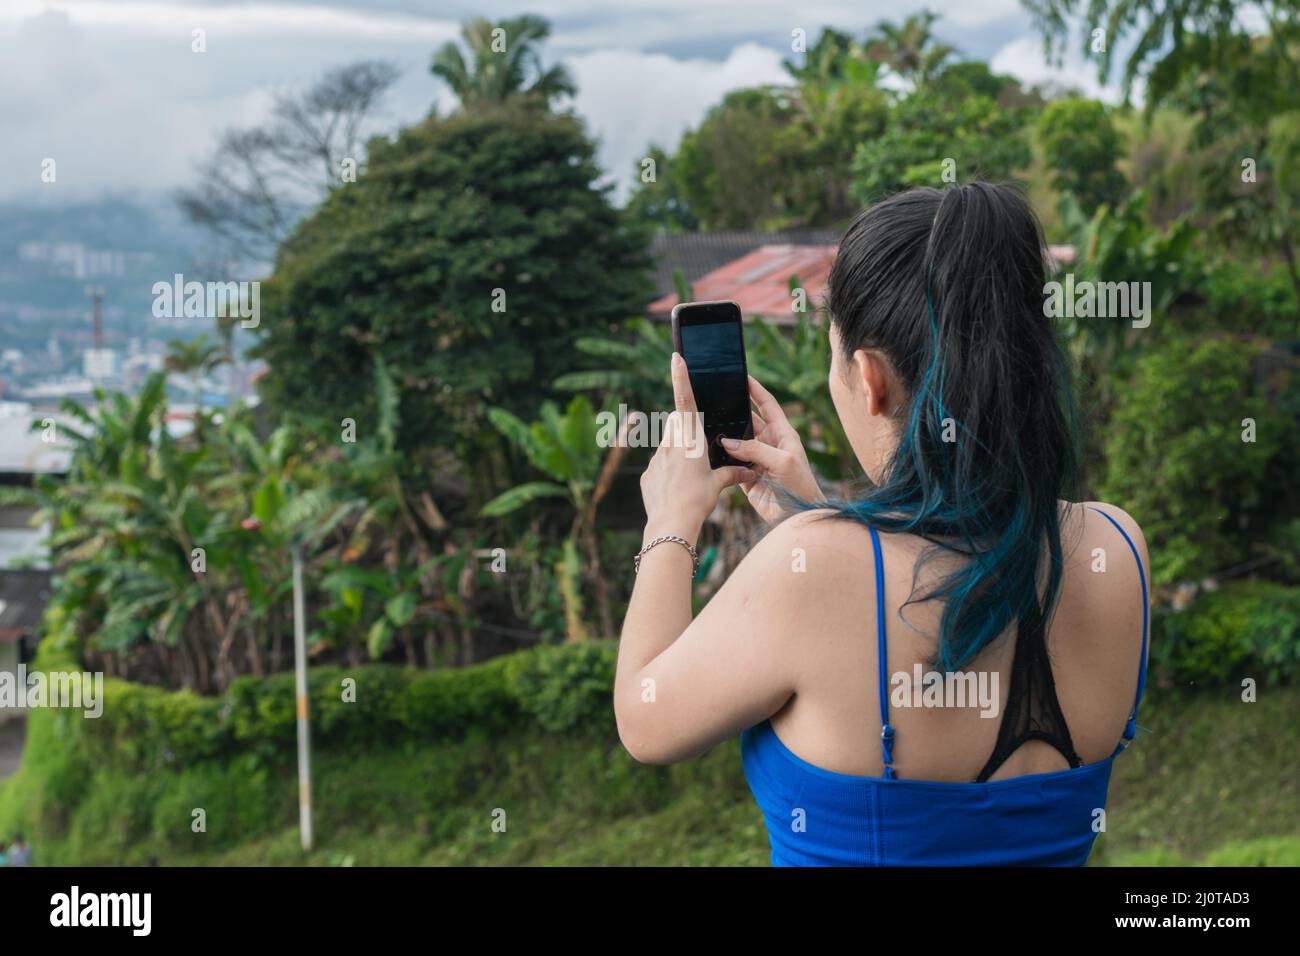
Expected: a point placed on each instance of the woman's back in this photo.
(1006, 762)
(1094, 642)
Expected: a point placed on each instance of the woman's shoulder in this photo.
(1093, 526)
(819, 541)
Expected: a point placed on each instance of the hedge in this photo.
(564, 689)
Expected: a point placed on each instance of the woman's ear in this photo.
(873, 375)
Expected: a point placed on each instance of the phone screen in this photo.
(710, 339)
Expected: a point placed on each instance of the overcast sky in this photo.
(111, 90)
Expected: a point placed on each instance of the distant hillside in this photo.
(51, 253)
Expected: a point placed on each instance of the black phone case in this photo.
(718, 456)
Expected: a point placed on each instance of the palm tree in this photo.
(504, 63)
(195, 358)
(910, 48)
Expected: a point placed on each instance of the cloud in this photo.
(1023, 58)
(111, 90)
(124, 105)
(632, 99)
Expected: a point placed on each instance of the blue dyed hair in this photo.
(948, 285)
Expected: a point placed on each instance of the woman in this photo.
(961, 565)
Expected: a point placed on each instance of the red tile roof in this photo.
(759, 282)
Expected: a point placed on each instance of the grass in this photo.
(1212, 780)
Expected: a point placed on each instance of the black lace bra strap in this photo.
(1033, 711)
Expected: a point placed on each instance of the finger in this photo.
(763, 455)
(683, 397)
(668, 434)
(733, 475)
(767, 404)
(759, 424)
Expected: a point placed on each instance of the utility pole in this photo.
(300, 687)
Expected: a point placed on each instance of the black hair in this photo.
(948, 285)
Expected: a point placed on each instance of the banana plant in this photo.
(794, 365)
(636, 368)
(564, 447)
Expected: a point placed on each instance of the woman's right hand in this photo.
(777, 455)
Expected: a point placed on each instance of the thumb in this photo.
(761, 454)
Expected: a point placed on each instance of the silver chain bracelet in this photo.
(695, 555)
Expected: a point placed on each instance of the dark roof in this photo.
(699, 253)
(23, 595)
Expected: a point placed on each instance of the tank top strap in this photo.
(1130, 729)
(882, 666)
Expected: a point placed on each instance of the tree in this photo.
(730, 169)
(910, 48)
(503, 63)
(1212, 59)
(1081, 147)
(658, 202)
(935, 138)
(260, 180)
(469, 255)
(1203, 508)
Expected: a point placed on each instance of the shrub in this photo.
(567, 688)
(1244, 629)
(1177, 461)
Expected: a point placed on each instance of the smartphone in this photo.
(710, 338)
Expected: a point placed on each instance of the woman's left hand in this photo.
(678, 487)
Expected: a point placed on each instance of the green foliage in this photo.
(910, 48)
(149, 730)
(567, 689)
(631, 365)
(778, 156)
(504, 67)
(1176, 459)
(1231, 65)
(1120, 244)
(468, 256)
(1082, 147)
(730, 168)
(983, 139)
(562, 446)
(794, 365)
(659, 202)
(1242, 629)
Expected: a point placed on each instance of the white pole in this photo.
(300, 686)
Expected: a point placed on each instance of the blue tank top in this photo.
(817, 817)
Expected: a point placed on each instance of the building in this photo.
(755, 270)
(24, 577)
(760, 283)
(23, 596)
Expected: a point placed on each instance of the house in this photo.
(755, 270)
(752, 269)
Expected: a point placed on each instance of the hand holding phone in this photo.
(710, 338)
